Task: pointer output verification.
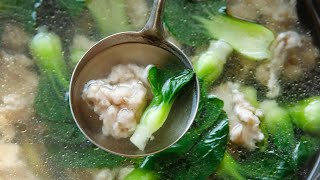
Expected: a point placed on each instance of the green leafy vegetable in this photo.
(50, 100)
(66, 144)
(305, 148)
(84, 156)
(142, 174)
(197, 154)
(249, 39)
(279, 127)
(179, 19)
(157, 112)
(209, 65)
(205, 156)
(256, 166)
(305, 114)
(17, 11)
(73, 7)
(195, 22)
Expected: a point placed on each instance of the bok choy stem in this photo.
(160, 106)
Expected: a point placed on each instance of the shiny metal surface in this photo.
(145, 47)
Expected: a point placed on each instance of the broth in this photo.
(32, 147)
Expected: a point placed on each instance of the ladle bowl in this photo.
(147, 46)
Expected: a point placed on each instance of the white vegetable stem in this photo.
(210, 63)
(151, 121)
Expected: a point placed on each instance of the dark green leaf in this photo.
(266, 166)
(209, 111)
(63, 134)
(51, 103)
(173, 85)
(256, 165)
(73, 7)
(84, 157)
(179, 19)
(306, 148)
(142, 174)
(154, 81)
(205, 156)
(17, 11)
(199, 140)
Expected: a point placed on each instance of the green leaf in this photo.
(66, 145)
(204, 144)
(196, 22)
(209, 110)
(256, 165)
(305, 114)
(249, 39)
(280, 128)
(158, 110)
(20, 11)
(306, 148)
(84, 156)
(73, 7)
(154, 77)
(64, 134)
(205, 156)
(173, 85)
(179, 19)
(142, 174)
(51, 103)
(266, 166)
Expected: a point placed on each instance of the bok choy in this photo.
(164, 94)
(200, 21)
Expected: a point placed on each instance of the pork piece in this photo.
(278, 15)
(12, 163)
(14, 38)
(18, 83)
(116, 173)
(80, 45)
(119, 100)
(244, 118)
(292, 55)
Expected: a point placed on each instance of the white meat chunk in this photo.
(81, 42)
(293, 55)
(18, 83)
(278, 15)
(14, 38)
(12, 163)
(271, 71)
(119, 100)
(126, 72)
(80, 45)
(112, 174)
(244, 118)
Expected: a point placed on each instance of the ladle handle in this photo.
(154, 26)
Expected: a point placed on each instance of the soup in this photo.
(257, 63)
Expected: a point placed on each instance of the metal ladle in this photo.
(147, 46)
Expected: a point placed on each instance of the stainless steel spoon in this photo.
(147, 46)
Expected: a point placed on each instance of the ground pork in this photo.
(292, 55)
(119, 100)
(14, 39)
(113, 174)
(278, 15)
(244, 118)
(18, 82)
